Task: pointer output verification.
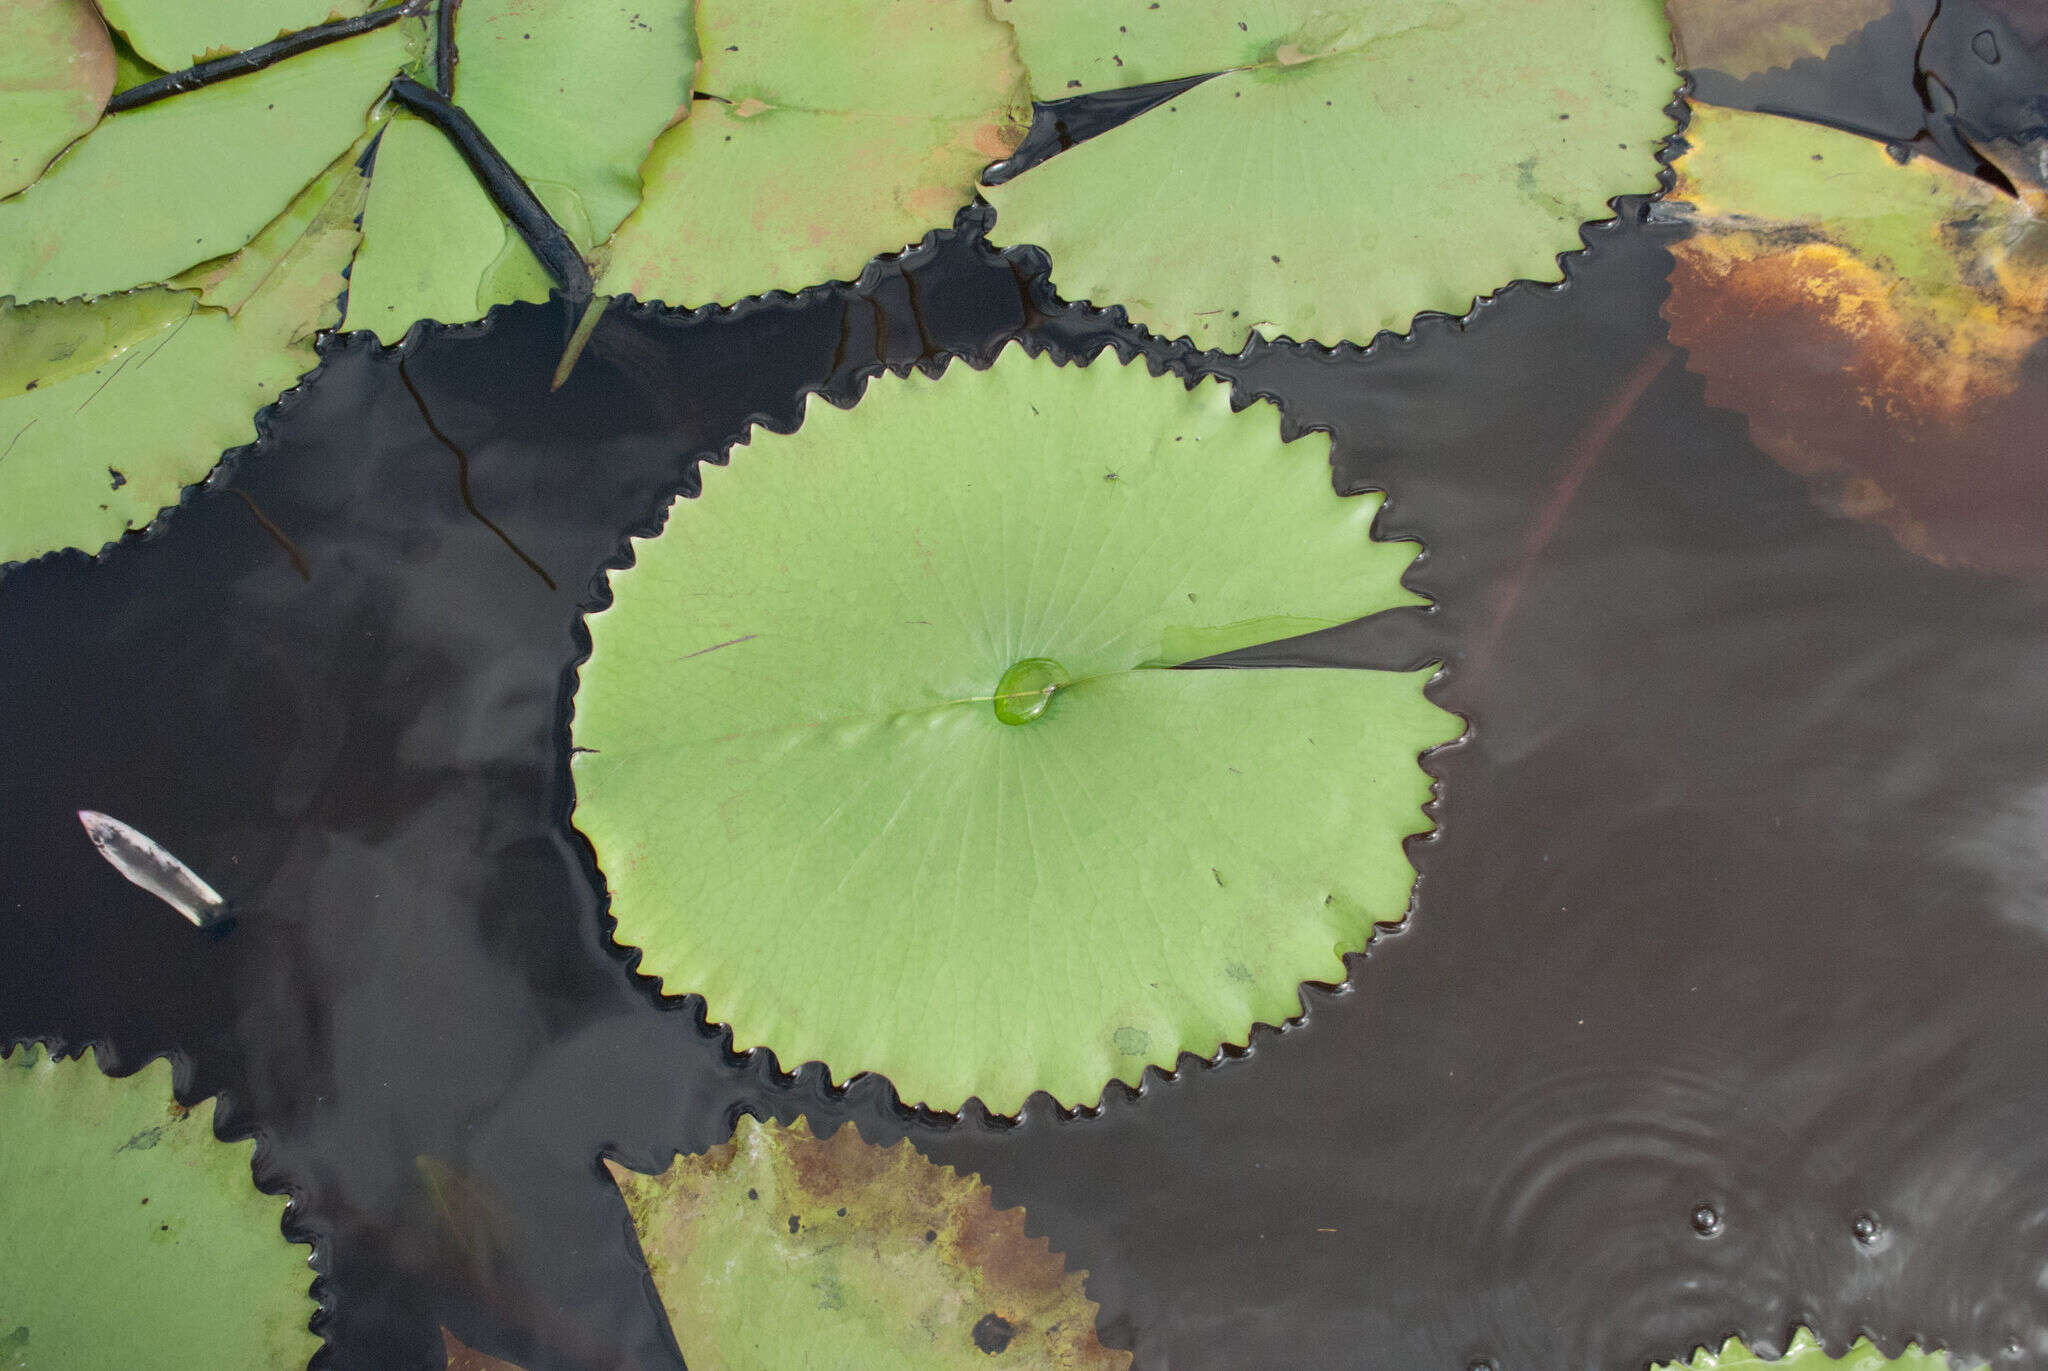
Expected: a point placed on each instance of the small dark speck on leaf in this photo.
(793, 1225)
(1217, 874)
(734, 48)
(753, 1194)
(1243, 27)
(1116, 59)
(1816, 157)
(1564, 116)
(31, 385)
(1276, 259)
(1109, 476)
(931, 1235)
(119, 479)
(842, 1213)
(1072, 85)
(992, 1333)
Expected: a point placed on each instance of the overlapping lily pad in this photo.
(1805, 1353)
(133, 1237)
(1352, 165)
(1875, 321)
(779, 1249)
(109, 406)
(876, 736)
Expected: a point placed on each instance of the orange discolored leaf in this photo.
(1879, 324)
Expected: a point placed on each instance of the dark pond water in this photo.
(1720, 1008)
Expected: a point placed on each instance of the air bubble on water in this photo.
(1706, 1220)
(1866, 1228)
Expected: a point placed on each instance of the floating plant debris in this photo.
(782, 1249)
(817, 805)
(133, 1236)
(145, 863)
(1351, 166)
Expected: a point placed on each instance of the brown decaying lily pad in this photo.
(1744, 37)
(781, 1249)
(462, 1357)
(1885, 342)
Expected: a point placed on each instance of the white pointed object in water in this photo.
(139, 857)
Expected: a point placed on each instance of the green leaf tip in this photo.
(811, 806)
(781, 1249)
(114, 1187)
(1805, 1353)
(1349, 165)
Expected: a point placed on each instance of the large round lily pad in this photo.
(813, 807)
(1354, 164)
(133, 1238)
(781, 1249)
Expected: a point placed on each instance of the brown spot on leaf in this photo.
(1744, 37)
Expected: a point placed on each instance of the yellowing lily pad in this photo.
(56, 72)
(1806, 1354)
(1872, 320)
(882, 111)
(109, 406)
(1354, 163)
(133, 1237)
(1745, 37)
(779, 1249)
(876, 735)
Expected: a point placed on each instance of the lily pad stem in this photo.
(513, 197)
(444, 46)
(257, 58)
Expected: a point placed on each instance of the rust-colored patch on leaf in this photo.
(465, 1358)
(1880, 325)
(778, 1239)
(1744, 37)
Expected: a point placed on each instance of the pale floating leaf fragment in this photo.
(146, 863)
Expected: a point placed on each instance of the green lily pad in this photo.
(134, 1237)
(792, 766)
(1806, 1354)
(109, 406)
(884, 110)
(1872, 321)
(1353, 165)
(573, 93)
(155, 190)
(781, 1250)
(56, 72)
(175, 34)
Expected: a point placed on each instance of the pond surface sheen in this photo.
(1720, 1009)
